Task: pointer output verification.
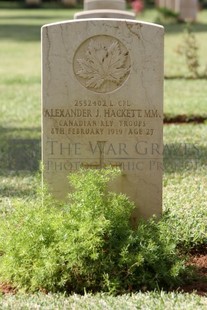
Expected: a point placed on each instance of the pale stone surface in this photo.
(106, 4)
(104, 9)
(102, 105)
(177, 6)
(104, 14)
(188, 10)
(168, 4)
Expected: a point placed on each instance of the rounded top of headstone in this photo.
(106, 4)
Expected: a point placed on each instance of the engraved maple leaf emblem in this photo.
(103, 64)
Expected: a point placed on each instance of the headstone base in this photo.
(104, 14)
(106, 4)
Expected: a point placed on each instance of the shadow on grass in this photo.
(30, 17)
(179, 27)
(50, 5)
(20, 149)
(181, 157)
(25, 32)
(15, 191)
(20, 32)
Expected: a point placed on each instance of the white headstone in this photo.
(106, 4)
(188, 10)
(102, 105)
(104, 9)
(168, 4)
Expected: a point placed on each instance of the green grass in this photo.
(185, 97)
(147, 301)
(185, 145)
(20, 68)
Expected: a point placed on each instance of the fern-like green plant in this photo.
(189, 50)
(86, 243)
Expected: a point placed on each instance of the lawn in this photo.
(153, 301)
(185, 153)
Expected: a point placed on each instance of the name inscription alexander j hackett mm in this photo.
(99, 121)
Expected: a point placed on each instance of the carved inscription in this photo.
(99, 120)
(101, 117)
(65, 156)
(102, 64)
(101, 164)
